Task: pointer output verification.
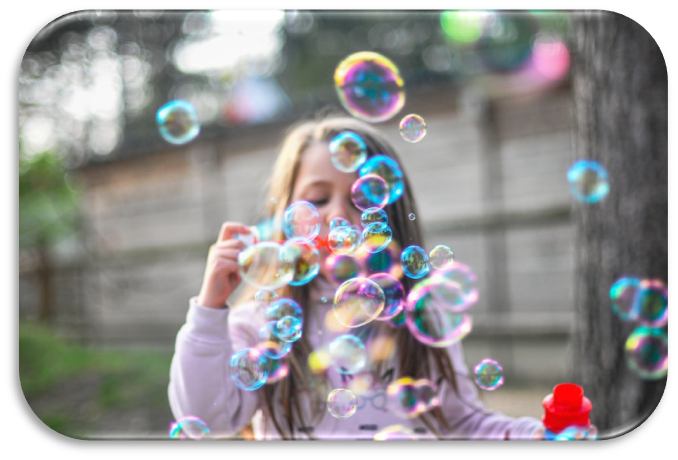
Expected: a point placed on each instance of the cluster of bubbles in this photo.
(488, 374)
(409, 398)
(412, 128)
(341, 403)
(644, 301)
(377, 234)
(343, 238)
(189, 427)
(588, 181)
(178, 122)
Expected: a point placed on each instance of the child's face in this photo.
(327, 188)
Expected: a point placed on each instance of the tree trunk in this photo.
(621, 102)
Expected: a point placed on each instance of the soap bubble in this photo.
(376, 237)
(248, 369)
(283, 308)
(395, 433)
(440, 256)
(373, 215)
(347, 354)
(412, 216)
(348, 151)
(270, 344)
(644, 301)
(358, 301)
(277, 369)
(178, 122)
(647, 352)
(301, 219)
(265, 297)
(343, 240)
(488, 374)
(394, 295)
(342, 268)
(265, 265)
(624, 294)
(339, 222)
(588, 181)
(415, 262)
(412, 128)
(389, 170)
(188, 427)
(455, 285)
(305, 259)
(341, 403)
(409, 398)
(369, 86)
(427, 394)
(369, 191)
(288, 329)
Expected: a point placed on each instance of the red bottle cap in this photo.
(567, 406)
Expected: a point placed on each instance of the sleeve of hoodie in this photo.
(468, 418)
(200, 382)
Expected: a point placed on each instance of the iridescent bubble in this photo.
(304, 257)
(342, 268)
(457, 286)
(277, 370)
(301, 219)
(288, 329)
(427, 394)
(431, 320)
(341, 403)
(266, 296)
(588, 181)
(440, 256)
(178, 122)
(412, 216)
(283, 308)
(644, 301)
(248, 369)
(372, 216)
(347, 354)
(369, 191)
(369, 86)
(270, 344)
(403, 399)
(358, 301)
(188, 427)
(389, 170)
(339, 222)
(348, 151)
(395, 433)
(647, 352)
(488, 374)
(265, 265)
(412, 128)
(415, 262)
(376, 237)
(394, 295)
(343, 240)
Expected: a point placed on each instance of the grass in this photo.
(73, 389)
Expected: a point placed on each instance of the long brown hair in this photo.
(414, 358)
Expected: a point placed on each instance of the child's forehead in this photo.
(316, 167)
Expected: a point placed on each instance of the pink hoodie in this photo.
(200, 384)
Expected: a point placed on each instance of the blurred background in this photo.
(115, 222)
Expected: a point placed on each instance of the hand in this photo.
(221, 273)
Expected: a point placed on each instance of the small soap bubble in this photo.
(358, 301)
(272, 346)
(265, 265)
(282, 308)
(369, 86)
(403, 398)
(369, 191)
(288, 329)
(389, 170)
(372, 216)
(647, 352)
(301, 219)
(188, 427)
(412, 128)
(342, 268)
(266, 296)
(304, 257)
(348, 151)
(343, 240)
(644, 301)
(440, 256)
(394, 295)
(178, 122)
(488, 374)
(376, 237)
(347, 354)
(341, 403)
(415, 262)
(395, 433)
(427, 394)
(248, 369)
(624, 294)
(588, 181)
(412, 216)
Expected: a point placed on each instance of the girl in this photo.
(295, 407)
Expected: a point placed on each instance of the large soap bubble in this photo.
(389, 170)
(347, 354)
(348, 151)
(304, 257)
(341, 403)
(265, 265)
(248, 369)
(301, 219)
(358, 301)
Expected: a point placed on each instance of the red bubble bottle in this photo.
(566, 414)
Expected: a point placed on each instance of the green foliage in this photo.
(48, 204)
